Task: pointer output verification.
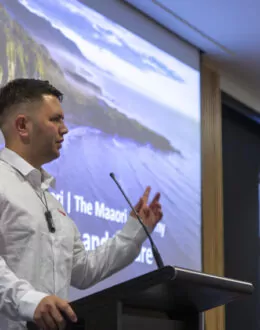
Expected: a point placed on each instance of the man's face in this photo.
(47, 130)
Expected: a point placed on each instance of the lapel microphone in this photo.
(49, 220)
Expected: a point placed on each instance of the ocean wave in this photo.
(150, 82)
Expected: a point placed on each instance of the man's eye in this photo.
(56, 119)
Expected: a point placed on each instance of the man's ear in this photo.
(22, 125)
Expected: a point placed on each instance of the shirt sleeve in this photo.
(18, 299)
(90, 267)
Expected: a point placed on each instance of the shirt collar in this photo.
(39, 178)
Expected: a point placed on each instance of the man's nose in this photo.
(64, 129)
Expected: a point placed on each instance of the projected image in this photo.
(131, 109)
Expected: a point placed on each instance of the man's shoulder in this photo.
(6, 170)
(8, 177)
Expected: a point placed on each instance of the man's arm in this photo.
(119, 251)
(90, 267)
(18, 299)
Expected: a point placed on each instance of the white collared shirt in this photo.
(34, 262)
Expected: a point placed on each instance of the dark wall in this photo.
(241, 164)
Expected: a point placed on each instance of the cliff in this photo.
(22, 56)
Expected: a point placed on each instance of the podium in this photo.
(164, 299)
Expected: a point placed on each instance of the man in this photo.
(41, 253)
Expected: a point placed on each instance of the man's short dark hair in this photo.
(21, 91)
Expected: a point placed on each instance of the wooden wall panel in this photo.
(212, 202)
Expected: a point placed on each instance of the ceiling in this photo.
(227, 31)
